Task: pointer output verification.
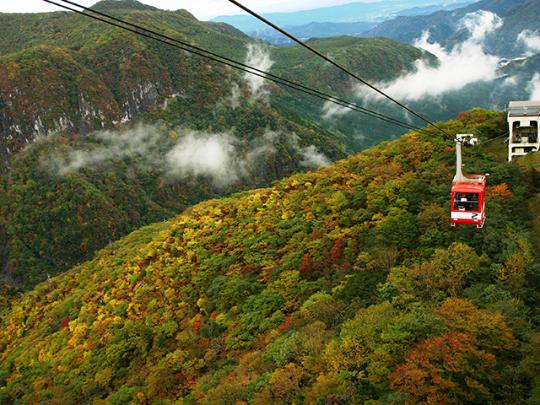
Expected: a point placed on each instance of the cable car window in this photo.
(466, 202)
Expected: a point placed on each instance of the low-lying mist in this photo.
(259, 57)
(182, 154)
(531, 40)
(465, 76)
(464, 64)
(535, 87)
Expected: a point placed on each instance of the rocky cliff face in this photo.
(70, 74)
(48, 90)
(79, 75)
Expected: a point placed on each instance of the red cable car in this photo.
(468, 195)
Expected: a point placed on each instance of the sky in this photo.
(202, 9)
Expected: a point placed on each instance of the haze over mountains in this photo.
(351, 12)
(500, 37)
(486, 51)
(446, 27)
(393, 20)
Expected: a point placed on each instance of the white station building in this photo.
(523, 120)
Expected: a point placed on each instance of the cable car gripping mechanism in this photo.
(467, 140)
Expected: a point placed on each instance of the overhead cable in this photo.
(145, 32)
(334, 63)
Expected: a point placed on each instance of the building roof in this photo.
(523, 108)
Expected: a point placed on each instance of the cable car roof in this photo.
(460, 187)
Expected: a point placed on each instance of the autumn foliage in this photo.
(500, 191)
(446, 369)
(343, 286)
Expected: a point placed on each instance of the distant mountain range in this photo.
(315, 30)
(402, 20)
(445, 26)
(347, 13)
(433, 8)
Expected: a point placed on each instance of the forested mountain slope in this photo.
(446, 27)
(375, 59)
(62, 76)
(342, 285)
(62, 72)
(55, 214)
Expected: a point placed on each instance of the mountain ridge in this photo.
(313, 30)
(350, 12)
(108, 5)
(444, 25)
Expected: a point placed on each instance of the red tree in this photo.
(445, 369)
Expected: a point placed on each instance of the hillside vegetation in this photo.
(62, 76)
(344, 285)
(375, 59)
(51, 221)
(62, 72)
(65, 73)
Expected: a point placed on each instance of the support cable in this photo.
(139, 30)
(332, 62)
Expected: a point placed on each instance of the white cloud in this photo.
(332, 110)
(510, 81)
(258, 57)
(261, 147)
(234, 99)
(481, 23)
(535, 87)
(465, 64)
(209, 155)
(141, 141)
(312, 157)
(221, 157)
(192, 153)
(531, 40)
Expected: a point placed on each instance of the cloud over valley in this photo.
(465, 63)
(182, 154)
